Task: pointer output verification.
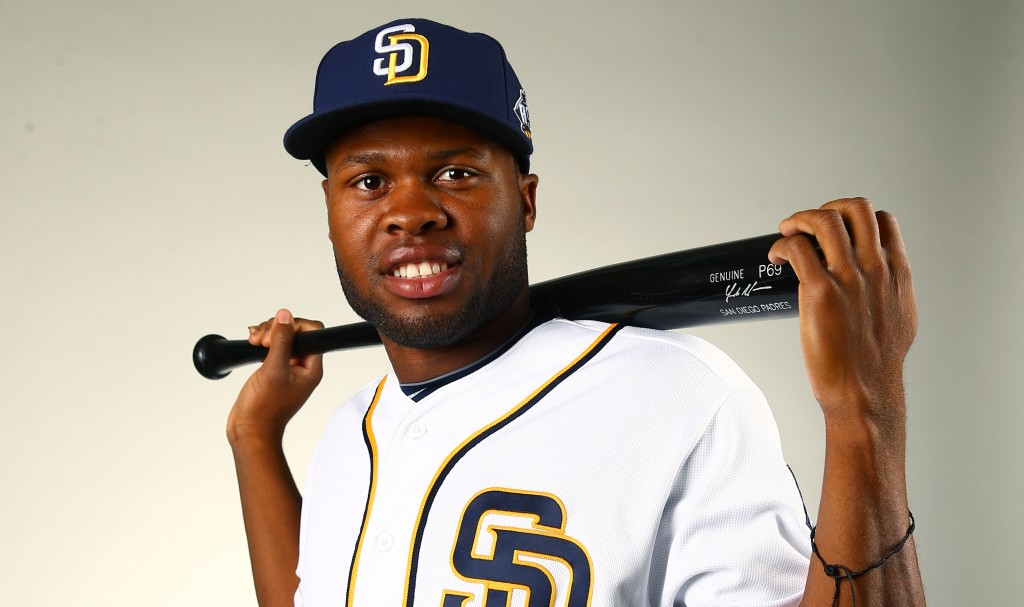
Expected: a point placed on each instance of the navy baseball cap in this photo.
(415, 67)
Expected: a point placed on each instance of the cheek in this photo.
(502, 220)
(346, 222)
(507, 226)
(351, 235)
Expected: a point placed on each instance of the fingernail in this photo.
(252, 329)
(284, 317)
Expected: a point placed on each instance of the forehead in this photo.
(415, 134)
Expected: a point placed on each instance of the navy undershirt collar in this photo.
(419, 390)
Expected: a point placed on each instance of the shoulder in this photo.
(660, 384)
(353, 409)
(679, 355)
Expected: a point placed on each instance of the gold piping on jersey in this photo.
(449, 462)
(371, 447)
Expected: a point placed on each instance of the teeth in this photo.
(421, 269)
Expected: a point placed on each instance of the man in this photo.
(510, 459)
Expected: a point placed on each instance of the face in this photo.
(428, 219)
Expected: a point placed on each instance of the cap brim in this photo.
(309, 138)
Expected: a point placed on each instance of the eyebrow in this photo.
(364, 158)
(463, 151)
(357, 159)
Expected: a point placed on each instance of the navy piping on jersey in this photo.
(420, 390)
(456, 456)
(372, 452)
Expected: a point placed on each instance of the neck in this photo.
(413, 365)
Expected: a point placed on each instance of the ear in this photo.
(327, 206)
(528, 195)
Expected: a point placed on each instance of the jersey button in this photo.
(385, 541)
(417, 430)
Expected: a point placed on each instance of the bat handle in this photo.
(214, 356)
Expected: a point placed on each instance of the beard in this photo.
(430, 330)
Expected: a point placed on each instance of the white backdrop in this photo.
(146, 201)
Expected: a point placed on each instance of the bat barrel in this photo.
(728, 282)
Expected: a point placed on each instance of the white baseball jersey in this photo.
(588, 464)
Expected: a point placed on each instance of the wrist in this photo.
(866, 431)
(863, 415)
(243, 435)
(867, 458)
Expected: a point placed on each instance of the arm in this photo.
(858, 318)
(271, 502)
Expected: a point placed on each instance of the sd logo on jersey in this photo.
(515, 541)
(400, 52)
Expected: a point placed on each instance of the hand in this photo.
(281, 385)
(858, 316)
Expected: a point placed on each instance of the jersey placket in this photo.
(411, 443)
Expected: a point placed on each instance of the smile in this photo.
(420, 269)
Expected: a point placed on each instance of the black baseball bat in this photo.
(727, 282)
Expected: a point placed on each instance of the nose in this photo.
(414, 209)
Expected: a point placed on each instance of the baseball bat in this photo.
(727, 282)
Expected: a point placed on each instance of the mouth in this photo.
(420, 269)
(419, 272)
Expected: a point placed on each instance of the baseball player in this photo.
(511, 459)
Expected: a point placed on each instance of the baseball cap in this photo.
(415, 67)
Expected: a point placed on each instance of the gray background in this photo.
(146, 201)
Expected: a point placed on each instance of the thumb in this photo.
(282, 333)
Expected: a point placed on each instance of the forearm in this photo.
(863, 516)
(271, 506)
(858, 319)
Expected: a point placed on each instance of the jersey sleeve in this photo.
(310, 473)
(734, 530)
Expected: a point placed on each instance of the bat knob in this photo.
(206, 360)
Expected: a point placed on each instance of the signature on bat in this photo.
(735, 290)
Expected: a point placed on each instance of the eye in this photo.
(454, 175)
(369, 183)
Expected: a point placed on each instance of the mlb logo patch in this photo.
(522, 112)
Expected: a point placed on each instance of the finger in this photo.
(860, 220)
(312, 363)
(899, 265)
(799, 252)
(305, 324)
(264, 332)
(828, 227)
(891, 239)
(279, 339)
(309, 365)
(255, 333)
(258, 333)
(896, 253)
